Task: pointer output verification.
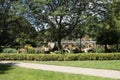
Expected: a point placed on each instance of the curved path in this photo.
(86, 71)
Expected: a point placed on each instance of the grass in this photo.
(112, 65)
(17, 73)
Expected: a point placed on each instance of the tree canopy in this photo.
(62, 16)
(23, 21)
(12, 25)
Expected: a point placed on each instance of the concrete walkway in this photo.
(86, 71)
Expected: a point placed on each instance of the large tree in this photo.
(12, 25)
(4, 22)
(110, 30)
(62, 16)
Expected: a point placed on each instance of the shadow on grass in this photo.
(4, 67)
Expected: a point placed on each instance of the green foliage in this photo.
(58, 19)
(9, 50)
(100, 50)
(69, 57)
(61, 57)
(15, 30)
(108, 37)
(29, 48)
(63, 16)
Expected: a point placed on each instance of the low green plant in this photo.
(100, 50)
(61, 57)
(9, 50)
(69, 57)
(29, 48)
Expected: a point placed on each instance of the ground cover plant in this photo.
(17, 73)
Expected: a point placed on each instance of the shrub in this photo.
(22, 50)
(61, 57)
(37, 51)
(9, 50)
(69, 57)
(29, 48)
(100, 50)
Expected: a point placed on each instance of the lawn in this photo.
(111, 64)
(17, 73)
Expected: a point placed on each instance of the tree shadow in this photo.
(4, 67)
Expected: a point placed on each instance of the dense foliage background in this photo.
(40, 21)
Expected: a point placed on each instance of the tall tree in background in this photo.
(4, 22)
(62, 16)
(116, 11)
(12, 24)
(109, 32)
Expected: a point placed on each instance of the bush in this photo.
(61, 57)
(100, 50)
(69, 57)
(9, 50)
(29, 48)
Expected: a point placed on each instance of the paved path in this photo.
(86, 71)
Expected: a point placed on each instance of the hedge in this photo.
(60, 57)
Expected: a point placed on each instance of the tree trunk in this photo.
(0, 48)
(106, 49)
(117, 46)
(80, 45)
(59, 45)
